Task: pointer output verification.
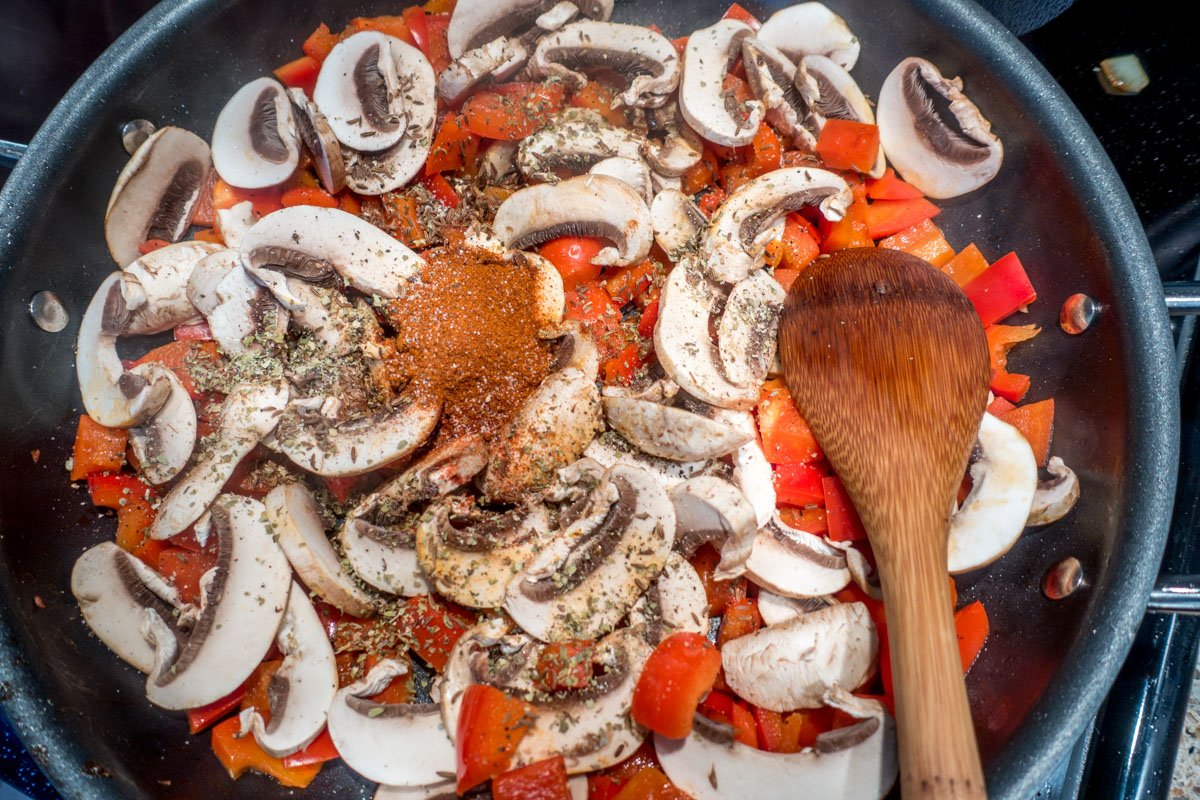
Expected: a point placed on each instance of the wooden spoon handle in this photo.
(938, 754)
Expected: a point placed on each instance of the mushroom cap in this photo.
(163, 444)
(589, 205)
(942, 158)
(794, 563)
(477, 22)
(748, 329)
(161, 301)
(785, 95)
(1055, 497)
(752, 473)
(703, 101)
(549, 300)
(811, 29)
(777, 609)
(256, 144)
(155, 192)
(237, 309)
(243, 600)
(669, 432)
(362, 91)
(681, 147)
(993, 515)
(632, 171)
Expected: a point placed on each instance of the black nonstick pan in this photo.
(1057, 201)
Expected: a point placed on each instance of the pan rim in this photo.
(1077, 689)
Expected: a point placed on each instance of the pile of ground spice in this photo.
(466, 333)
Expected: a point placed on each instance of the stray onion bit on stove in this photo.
(470, 460)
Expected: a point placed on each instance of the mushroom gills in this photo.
(157, 296)
(256, 143)
(320, 142)
(163, 444)
(795, 563)
(361, 90)
(477, 22)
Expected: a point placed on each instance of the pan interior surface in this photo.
(1057, 201)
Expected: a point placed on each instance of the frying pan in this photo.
(1057, 201)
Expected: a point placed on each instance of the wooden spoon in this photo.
(888, 363)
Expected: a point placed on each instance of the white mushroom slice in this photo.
(341, 326)
(235, 222)
(632, 171)
(558, 421)
(711, 510)
(609, 449)
(589, 205)
(680, 147)
(398, 744)
(239, 311)
(703, 100)
(668, 432)
(499, 163)
(242, 603)
(558, 15)
(790, 666)
(574, 142)
(548, 301)
(378, 536)
(941, 157)
(735, 245)
(113, 590)
(498, 59)
(163, 444)
(315, 244)
(857, 762)
(207, 276)
(587, 577)
(361, 91)
(249, 413)
(675, 602)
(359, 445)
(1054, 497)
(776, 609)
(255, 143)
(752, 473)
(302, 689)
(678, 224)
(645, 58)
(748, 331)
(297, 525)
(835, 95)
(772, 78)
(112, 397)
(993, 515)
(155, 192)
(811, 29)
(158, 301)
(684, 344)
(477, 22)
(795, 563)
(320, 141)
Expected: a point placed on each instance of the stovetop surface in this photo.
(1151, 138)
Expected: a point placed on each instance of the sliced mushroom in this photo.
(675, 602)
(477, 22)
(235, 222)
(709, 510)
(240, 313)
(341, 326)
(243, 599)
(671, 147)
(1054, 497)
(114, 590)
(443, 790)
(256, 143)
(361, 91)
(678, 224)
(572, 143)
(644, 57)
(341, 449)
(811, 29)
(632, 171)
(378, 536)
(795, 563)
(752, 473)
(320, 245)
(549, 301)
(302, 689)
(398, 744)
(297, 525)
(833, 94)
(112, 397)
(249, 413)
(590, 727)
(163, 444)
(499, 163)
(704, 102)
(320, 141)
(669, 432)
(777, 609)
(585, 580)
(609, 449)
(993, 515)
(155, 192)
(498, 59)
(790, 666)
(857, 762)
(735, 245)
(748, 330)
(935, 137)
(158, 299)
(772, 78)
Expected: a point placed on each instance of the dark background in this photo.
(1152, 138)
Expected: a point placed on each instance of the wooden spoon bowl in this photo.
(888, 363)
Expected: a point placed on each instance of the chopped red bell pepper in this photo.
(300, 74)
(723, 707)
(1035, 421)
(602, 99)
(850, 231)
(700, 175)
(966, 266)
(201, 718)
(623, 284)
(648, 320)
(621, 368)
(1000, 290)
(514, 110)
(719, 593)
(923, 240)
(436, 627)
(97, 448)
(150, 245)
(712, 200)
(262, 201)
(437, 26)
(308, 196)
(736, 11)
(454, 146)
(766, 151)
(810, 520)
(240, 753)
(799, 485)
(132, 499)
(319, 43)
(844, 523)
(741, 618)
(490, 726)
(441, 189)
(389, 25)
(182, 358)
(541, 780)
(1001, 339)
(197, 332)
(799, 241)
(650, 784)
(572, 257)
(590, 304)
(890, 187)
(972, 628)
(678, 673)
(999, 407)
(786, 437)
(846, 144)
(888, 217)
(414, 20)
(184, 568)
(319, 751)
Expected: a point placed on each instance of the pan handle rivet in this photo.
(1078, 313)
(1063, 579)
(135, 133)
(48, 312)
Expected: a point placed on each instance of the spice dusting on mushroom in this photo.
(466, 333)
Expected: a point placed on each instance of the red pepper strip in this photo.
(972, 627)
(923, 240)
(308, 196)
(205, 716)
(437, 26)
(786, 437)
(799, 242)
(718, 593)
(441, 189)
(844, 523)
(966, 266)
(199, 332)
(809, 520)
(648, 319)
(150, 245)
(845, 144)
(321, 749)
(240, 753)
(132, 499)
(741, 618)
(888, 217)
(1035, 421)
(650, 784)
(300, 74)
(680, 671)
(1001, 339)
(1000, 290)
(799, 485)
(541, 780)
(735, 11)
(414, 18)
(454, 146)
(97, 448)
(889, 187)
(490, 726)
(319, 43)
